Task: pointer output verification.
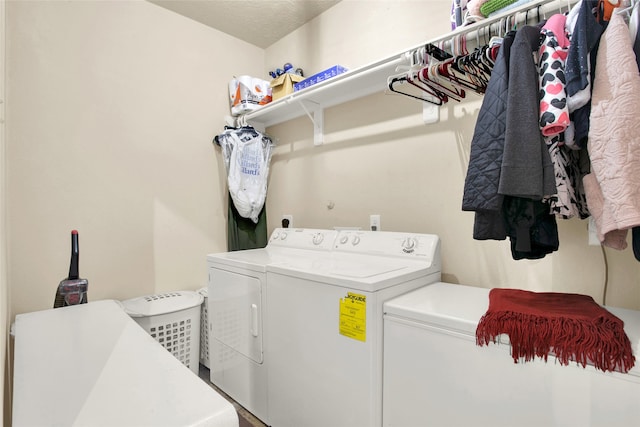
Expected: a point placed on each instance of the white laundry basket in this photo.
(172, 319)
(204, 328)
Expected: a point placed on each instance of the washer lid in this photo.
(454, 307)
(351, 267)
(363, 272)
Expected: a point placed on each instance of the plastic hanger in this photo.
(429, 75)
(475, 72)
(394, 83)
(606, 8)
(626, 9)
(414, 79)
(409, 81)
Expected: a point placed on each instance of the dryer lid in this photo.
(252, 259)
(258, 259)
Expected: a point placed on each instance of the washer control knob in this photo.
(409, 245)
(355, 240)
(318, 238)
(276, 235)
(283, 235)
(344, 239)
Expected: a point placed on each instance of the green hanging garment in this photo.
(243, 233)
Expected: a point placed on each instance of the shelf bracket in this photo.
(242, 121)
(317, 118)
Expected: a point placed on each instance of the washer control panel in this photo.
(388, 243)
(303, 238)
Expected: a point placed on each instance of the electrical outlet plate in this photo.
(374, 222)
(290, 218)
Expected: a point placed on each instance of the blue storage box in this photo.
(319, 77)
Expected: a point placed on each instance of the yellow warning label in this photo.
(353, 316)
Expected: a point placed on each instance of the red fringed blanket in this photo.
(571, 326)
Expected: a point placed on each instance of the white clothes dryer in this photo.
(324, 325)
(236, 301)
(436, 375)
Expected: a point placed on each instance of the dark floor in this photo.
(245, 417)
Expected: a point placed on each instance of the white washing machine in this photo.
(436, 375)
(324, 323)
(236, 301)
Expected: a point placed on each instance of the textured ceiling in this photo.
(259, 22)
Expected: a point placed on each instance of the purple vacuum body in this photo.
(73, 289)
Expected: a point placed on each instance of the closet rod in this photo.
(515, 16)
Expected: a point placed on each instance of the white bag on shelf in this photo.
(247, 94)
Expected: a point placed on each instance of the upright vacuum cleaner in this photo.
(73, 289)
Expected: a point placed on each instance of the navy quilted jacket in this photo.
(525, 220)
(485, 160)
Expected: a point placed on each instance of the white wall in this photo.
(379, 158)
(4, 295)
(357, 32)
(112, 107)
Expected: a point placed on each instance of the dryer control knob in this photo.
(283, 235)
(409, 245)
(356, 240)
(318, 238)
(344, 239)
